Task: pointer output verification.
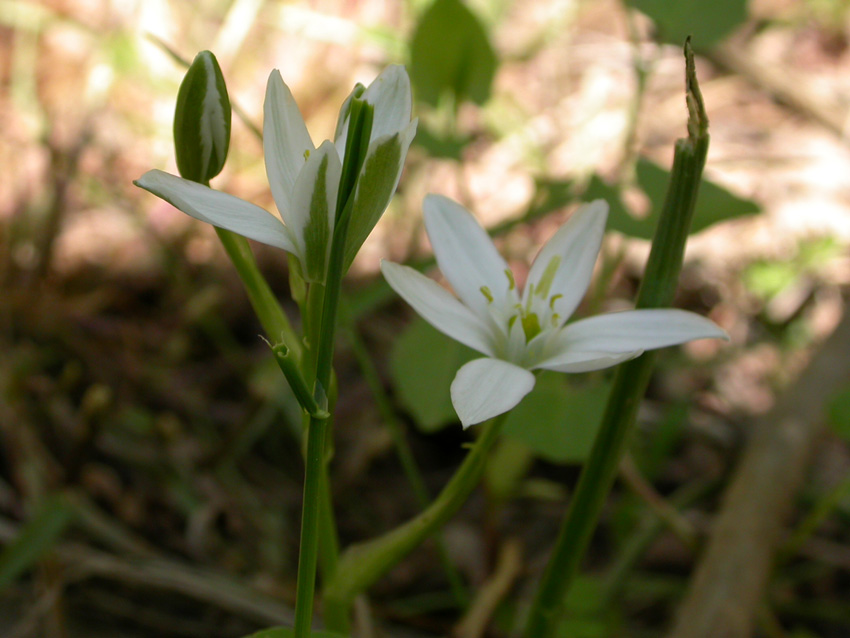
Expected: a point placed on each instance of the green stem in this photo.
(328, 538)
(266, 307)
(308, 555)
(362, 564)
(631, 379)
(316, 507)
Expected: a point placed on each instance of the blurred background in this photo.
(150, 468)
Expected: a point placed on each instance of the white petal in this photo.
(286, 144)
(315, 194)
(575, 361)
(437, 306)
(576, 247)
(466, 256)
(390, 94)
(633, 330)
(484, 388)
(218, 209)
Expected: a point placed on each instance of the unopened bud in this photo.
(202, 120)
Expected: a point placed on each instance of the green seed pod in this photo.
(202, 120)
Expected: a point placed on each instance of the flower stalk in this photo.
(364, 563)
(632, 377)
(361, 116)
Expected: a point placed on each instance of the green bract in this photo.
(305, 180)
(202, 120)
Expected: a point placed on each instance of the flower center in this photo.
(537, 312)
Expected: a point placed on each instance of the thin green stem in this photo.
(268, 310)
(631, 379)
(362, 564)
(308, 555)
(316, 507)
(328, 539)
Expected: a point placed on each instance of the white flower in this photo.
(528, 332)
(305, 180)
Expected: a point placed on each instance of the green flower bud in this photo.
(202, 120)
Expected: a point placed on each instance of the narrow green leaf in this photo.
(35, 538)
(451, 53)
(202, 120)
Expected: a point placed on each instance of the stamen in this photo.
(486, 292)
(306, 154)
(555, 319)
(530, 326)
(548, 276)
(511, 281)
(553, 299)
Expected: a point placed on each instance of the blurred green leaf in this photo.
(558, 419)
(768, 277)
(551, 195)
(36, 537)
(706, 21)
(586, 616)
(839, 414)
(423, 364)
(715, 203)
(450, 52)
(440, 146)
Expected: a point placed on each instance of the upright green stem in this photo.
(307, 558)
(362, 564)
(658, 288)
(315, 477)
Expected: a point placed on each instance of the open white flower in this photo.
(305, 180)
(520, 333)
